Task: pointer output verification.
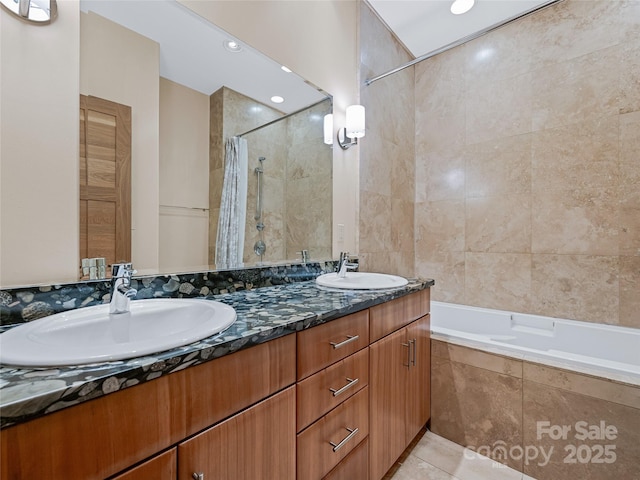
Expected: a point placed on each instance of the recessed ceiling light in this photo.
(232, 46)
(461, 6)
(277, 99)
(286, 69)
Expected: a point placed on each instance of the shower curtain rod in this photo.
(457, 43)
(283, 117)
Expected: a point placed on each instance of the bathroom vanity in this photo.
(331, 393)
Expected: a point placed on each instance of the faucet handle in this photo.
(122, 270)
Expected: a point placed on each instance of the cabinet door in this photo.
(257, 443)
(388, 387)
(160, 467)
(418, 387)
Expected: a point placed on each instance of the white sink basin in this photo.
(92, 335)
(361, 281)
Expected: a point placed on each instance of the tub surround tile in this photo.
(576, 222)
(629, 291)
(591, 386)
(500, 108)
(630, 69)
(448, 268)
(498, 280)
(583, 287)
(573, 29)
(582, 156)
(440, 226)
(498, 364)
(498, 224)
(476, 407)
(499, 167)
(578, 90)
(559, 407)
(263, 314)
(440, 174)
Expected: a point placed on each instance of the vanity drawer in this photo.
(325, 443)
(325, 344)
(355, 465)
(323, 391)
(390, 316)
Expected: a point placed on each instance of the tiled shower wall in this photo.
(386, 239)
(528, 165)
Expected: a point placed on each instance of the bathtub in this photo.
(595, 349)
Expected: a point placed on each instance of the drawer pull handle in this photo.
(415, 347)
(350, 338)
(352, 433)
(198, 476)
(352, 382)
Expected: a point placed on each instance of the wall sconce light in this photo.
(355, 127)
(34, 11)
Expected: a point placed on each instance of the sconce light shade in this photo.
(355, 128)
(328, 129)
(355, 121)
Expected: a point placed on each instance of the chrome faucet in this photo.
(121, 290)
(344, 264)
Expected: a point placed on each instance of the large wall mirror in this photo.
(189, 92)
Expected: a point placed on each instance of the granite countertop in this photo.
(263, 314)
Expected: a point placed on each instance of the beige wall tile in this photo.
(498, 224)
(375, 222)
(500, 108)
(581, 287)
(440, 226)
(576, 222)
(563, 408)
(591, 386)
(580, 156)
(440, 174)
(574, 28)
(500, 166)
(402, 236)
(477, 358)
(498, 280)
(578, 90)
(447, 269)
(630, 73)
(475, 407)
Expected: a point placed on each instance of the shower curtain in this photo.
(233, 205)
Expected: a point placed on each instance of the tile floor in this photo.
(436, 458)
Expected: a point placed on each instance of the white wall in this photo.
(184, 177)
(39, 145)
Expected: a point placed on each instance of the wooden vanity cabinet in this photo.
(399, 378)
(332, 396)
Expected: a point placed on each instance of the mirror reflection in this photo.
(188, 95)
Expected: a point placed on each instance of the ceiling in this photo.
(428, 25)
(192, 53)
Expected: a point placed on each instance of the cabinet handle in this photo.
(415, 348)
(408, 345)
(198, 476)
(351, 383)
(350, 338)
(338, 446)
